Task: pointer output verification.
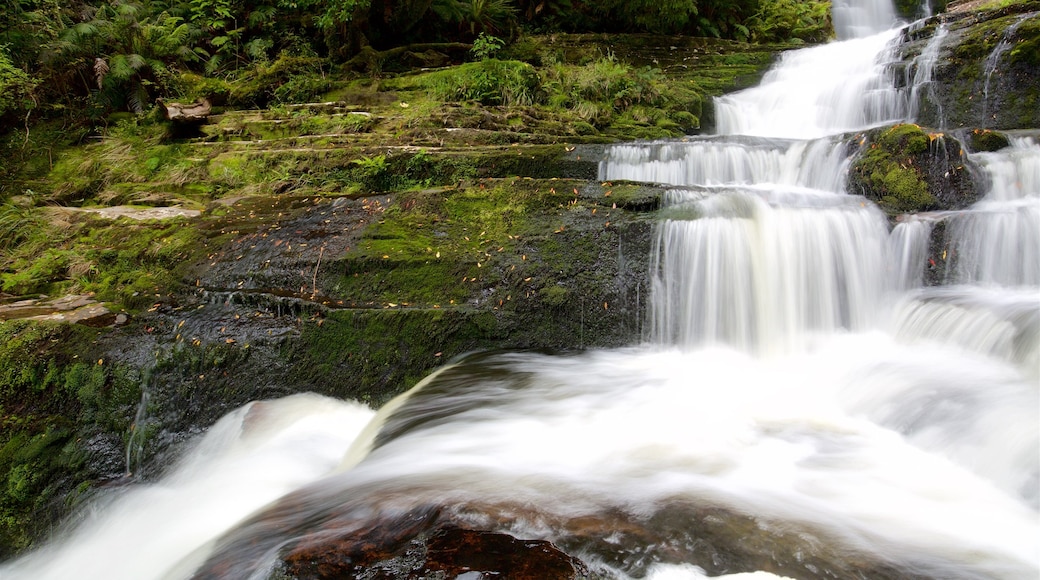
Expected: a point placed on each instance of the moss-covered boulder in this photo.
(984, 140)
(905, 169)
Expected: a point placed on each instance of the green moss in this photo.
(1026, 50)
(904, 190)
(889, 169)
(54, 397)
(122, 261)
(372, 355)
(904, 139)
(986, 140)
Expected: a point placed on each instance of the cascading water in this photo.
(856, 19)
(921, 85)
(992, 63)
(806, 406)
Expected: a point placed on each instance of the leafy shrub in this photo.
(287, 79)
(16, 86)
(792, 20)
(597, 90)
(486, 46)
(489, 82)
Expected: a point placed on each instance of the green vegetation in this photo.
(986, 140)
(889, 170)
(965, 72)
(16, 87)
(82, 62)
(792, 20)
(55, 252)
(55, 397)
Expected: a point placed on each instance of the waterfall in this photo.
(921, 85)
(804, 404)
(819, 91)
(761, 269)
(998, 241)
(856, 19)
(816, 164)
(908, 252)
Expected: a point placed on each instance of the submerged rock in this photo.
(447, 551)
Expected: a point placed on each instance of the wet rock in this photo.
(78, 309)
(986, 73)
(447, 552)
(985, 140)
(907, 169)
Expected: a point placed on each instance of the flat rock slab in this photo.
(78, 309)
(138, 213)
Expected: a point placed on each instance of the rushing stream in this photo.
(803, 404)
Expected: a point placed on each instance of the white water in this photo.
(998, 242)
(921, 84)
(800, 375)
(856, 19)
(248, 459)
(819, 91)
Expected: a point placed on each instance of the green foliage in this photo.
(484, 16)
(486, 46)
(889, 172)
(19, 225)
(792, 20)
(289, 79)
(490, 82)
(16, 87)
(123, 53)
(56, 393)
(660, 16)
(609, 92)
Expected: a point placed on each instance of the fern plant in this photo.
(124, 54)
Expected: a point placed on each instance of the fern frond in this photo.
(101, 70)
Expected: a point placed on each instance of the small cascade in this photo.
(857, 19)
(246, 460)
(998, 241)
(908, 252)
(138, 430)
(765, 269)
(921, 85)
(986, 321)
(819, 91)
(816, 165)
(993, 60)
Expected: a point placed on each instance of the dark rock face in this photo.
(986, 73)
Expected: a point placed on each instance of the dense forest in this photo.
(83, 60)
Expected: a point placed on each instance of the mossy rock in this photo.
(973, 92)
(65, 412)
(985, 140)
(905, 169)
